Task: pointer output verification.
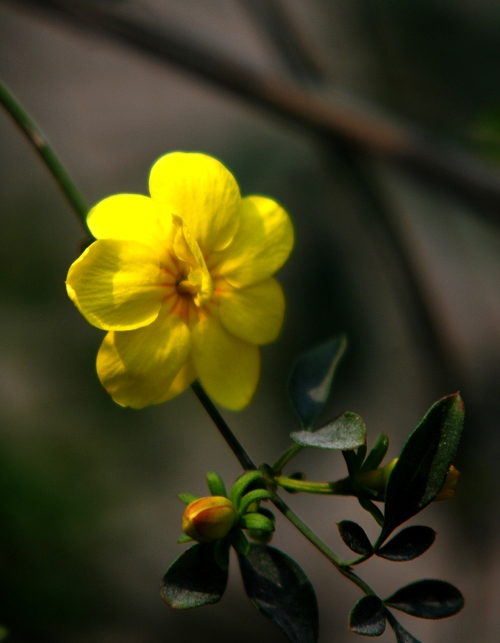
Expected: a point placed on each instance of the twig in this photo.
(342, 118)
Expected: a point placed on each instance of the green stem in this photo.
(290, 453)
(235, 446)
(334, 488)
(319, 544)
(44, 149)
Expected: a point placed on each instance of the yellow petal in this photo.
(138, 367)
(201, 191)
(260, 247)
(184, 378)
(254, 314)
(227, 367)
(116, 285)
(130, 217)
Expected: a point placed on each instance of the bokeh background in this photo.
(88, 511)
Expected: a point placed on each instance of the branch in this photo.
(341, 117)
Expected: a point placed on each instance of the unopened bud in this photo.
(376, 480)
(208, 519)
(448, 489)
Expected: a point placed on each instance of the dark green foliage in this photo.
(423, 463)
(239, 542)
(402, 636)
(367, 617)
(427, 599)
(376, 455)
(408, 543)
(279, 589)
(194, 579)
(354, 537)
(344, 433)
(312, 377)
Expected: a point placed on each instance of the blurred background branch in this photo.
(342, 116)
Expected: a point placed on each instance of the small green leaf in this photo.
(4, 633)
(427, 599)
(216, 484)
(344, 433)
(239, 542)
(372, 509)
(253, 496)
(312, 377)
(402, 636)
(354, 537)
(194, 579)
(376, 455)
(241, 485)
(187, 498)
(184, 539)
(263, 536)
(257, 521)
(408, 543)
(421, 469)
(367, 616)
(279, 589)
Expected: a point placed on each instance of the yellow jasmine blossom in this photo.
(182, 280)
(209, 518)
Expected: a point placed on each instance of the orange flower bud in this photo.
(209, 518)
(448, 489)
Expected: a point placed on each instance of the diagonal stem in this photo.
(42, 146)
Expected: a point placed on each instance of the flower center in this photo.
(194, 278)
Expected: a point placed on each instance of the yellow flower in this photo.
(209, 518)
(182, 280)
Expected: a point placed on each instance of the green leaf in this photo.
(194, 579)
(408, 543)
(344, 433)
(311, 379)
(402, 636)
(372, 509)
(241, 484)
(279, 589)
(376, 455)
(263, 536)
(239, 542)
(184, 539)
(257, 521)
(253, 496)
(216, 484)
(427, 599)
(367, 617)
(422, 467)
(4, 633)
(354, 537)
(187, 498)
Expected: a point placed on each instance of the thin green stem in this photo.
(334, 488)
(290, 453)
(234, 444)
(319, 544)
(46, 152)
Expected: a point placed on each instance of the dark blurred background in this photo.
(88, 511)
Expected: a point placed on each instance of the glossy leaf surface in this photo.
(311, 379)
(427, 599)
(367, 617)
(424, 462)
(279, 589)
(408, 544)
(194, 579)
(344, 433)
